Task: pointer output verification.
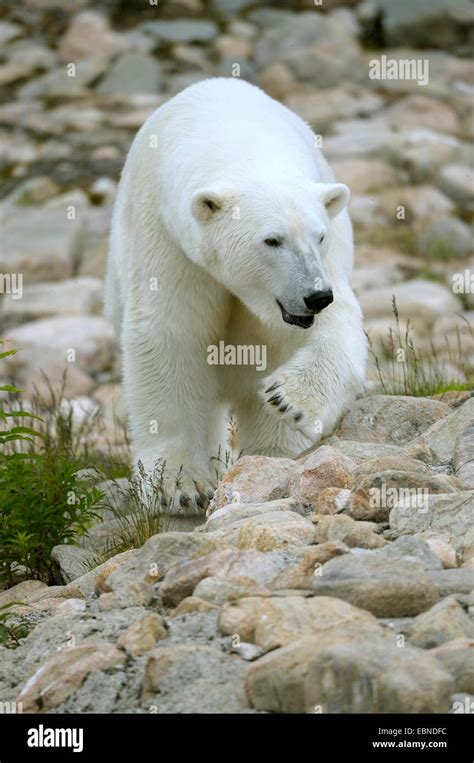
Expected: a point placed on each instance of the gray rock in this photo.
(414, 548)
(443, 622)
(40, 243)
(447, 516)
(426, 23)
(463, 460)
(71, 562)
(193, 679)
(449, 582)
(386, 587)
(442, 435)
(447, 237)
(132, 73)
(181, 30)
(457, 657)
(457, 181)
(389, 419)
(57, 83)
(340, 674)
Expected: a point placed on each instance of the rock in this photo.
(274, 622)
(324, 467)
(375, 495)
(337, 673)
(134, 595)
(389, 419)
(457, 181)
(443, 622)
(33, 191)
(256, 479)
(416, 549)
(418, 299)
(457, 657)
(54, 343)
(444, 516)
(150, 563)
(74, 296)
(142, 635)
(274, 530)
(301, 575)
(365, 451)
(93, 580)
(59, 83)
(181, 30)
(389, 463)
(332, 500)
(194, 679)
(446, 237)
(442, 435)
(218, 590)
(64, 672)
(344, 529)
(318, 49)
(22, 592)
(422, 203)
(421, 152)
(235, 513)
(385, 587)
(443, 551)
(8, 31)
(181, 579)
(450, 582)
(415, 111)
(71, 561)
(323, 109)
(88, 36)
(132, 73)
(438, 24)
(463, 460)
(193, 604)
(42, 244)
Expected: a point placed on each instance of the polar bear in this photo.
(229, 228)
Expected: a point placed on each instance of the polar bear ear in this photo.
(206, 203)
(335, 196)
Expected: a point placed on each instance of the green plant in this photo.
(402, 369)
(11, 634)
(43, 499)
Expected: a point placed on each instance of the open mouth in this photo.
(303, 321)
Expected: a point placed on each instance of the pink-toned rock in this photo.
(181, 579)
(301, 575)
(64, 673)
(444, 551)
(89, 35)
(325, 467)
(256, 479)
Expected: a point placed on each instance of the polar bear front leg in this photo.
(172, 398)
(312, 391)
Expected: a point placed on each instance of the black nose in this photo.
(318, 300)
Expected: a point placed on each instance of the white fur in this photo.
(257, 163)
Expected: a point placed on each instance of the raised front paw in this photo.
(292, 404)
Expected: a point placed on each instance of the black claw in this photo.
(273, 387)
(275, 400)
(210, 494)
(184, 501)
(283, 408)
(199, 502)
(298, 417)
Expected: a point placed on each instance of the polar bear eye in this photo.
(272, 242)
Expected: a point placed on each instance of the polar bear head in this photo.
(269, 244)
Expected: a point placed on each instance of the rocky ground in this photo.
(341, 581)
